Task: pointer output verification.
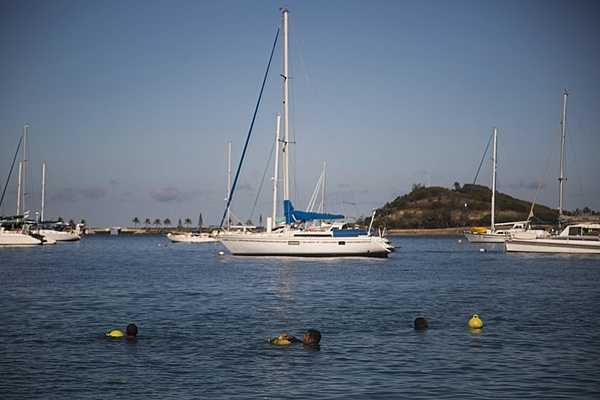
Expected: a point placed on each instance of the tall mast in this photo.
(276, 166)
(228, 182)
(43, 190)
(563, 133)
(24, 176)
(286, 162)
(494, 154)
(19, 181)
(323, 185)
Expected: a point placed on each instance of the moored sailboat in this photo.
(14, 230)
(581, 238)
(54, 230)
(294, 237)
(500, 232)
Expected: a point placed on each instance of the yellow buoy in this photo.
(281, 341)
(115, 333)
(475, 322)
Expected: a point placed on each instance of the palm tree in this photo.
(147, 222)
(71, 223)
(188, 222)
(157, 222)
(136, 221)
(82, 222)
(167, 222)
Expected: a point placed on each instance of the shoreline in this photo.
(428, 231)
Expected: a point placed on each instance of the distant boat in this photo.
(58, 232)
(499, 233)
(191, 238)
(295, 237)
(14, 230)
(582, 238)
(573, 239)
(18, 237)
(54, 230)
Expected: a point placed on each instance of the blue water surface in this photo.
(204, 321)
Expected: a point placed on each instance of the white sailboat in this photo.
(14, 231)
(500, 232)
(582, 238)
(19, 237)
(191, 237)
(294, 238)
(54, 231)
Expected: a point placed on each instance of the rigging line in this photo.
(11, 170)
(237, 174)
(262, 181)
(483, 157)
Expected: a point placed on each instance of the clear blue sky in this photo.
(131, 103)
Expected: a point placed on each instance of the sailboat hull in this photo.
(59, 236)
(554, 246)
(17, 239)
(190, 238)
(290, 245)
(485, 237)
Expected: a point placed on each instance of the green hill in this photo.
(438, 207)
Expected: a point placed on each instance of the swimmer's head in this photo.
(312, 337)
(132, 330)
(421, 324)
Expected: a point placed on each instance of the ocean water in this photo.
(204, 321)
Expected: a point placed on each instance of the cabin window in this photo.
(591, 232)
(293, 243)
(342, 243)
(575, 231)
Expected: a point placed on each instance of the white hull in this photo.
(291, 245)
(569, 246)
(486, 237)
(190, 238)
(59, 236)
(504, 235)
(17, 239)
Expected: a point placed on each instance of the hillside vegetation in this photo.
(438, 207)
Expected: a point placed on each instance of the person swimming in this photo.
(421, 324)
(130, 332)
(311, 338)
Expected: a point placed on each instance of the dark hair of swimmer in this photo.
(131, 330)
(421, 324)
(312, 337)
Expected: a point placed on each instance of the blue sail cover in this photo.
(292, 215)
